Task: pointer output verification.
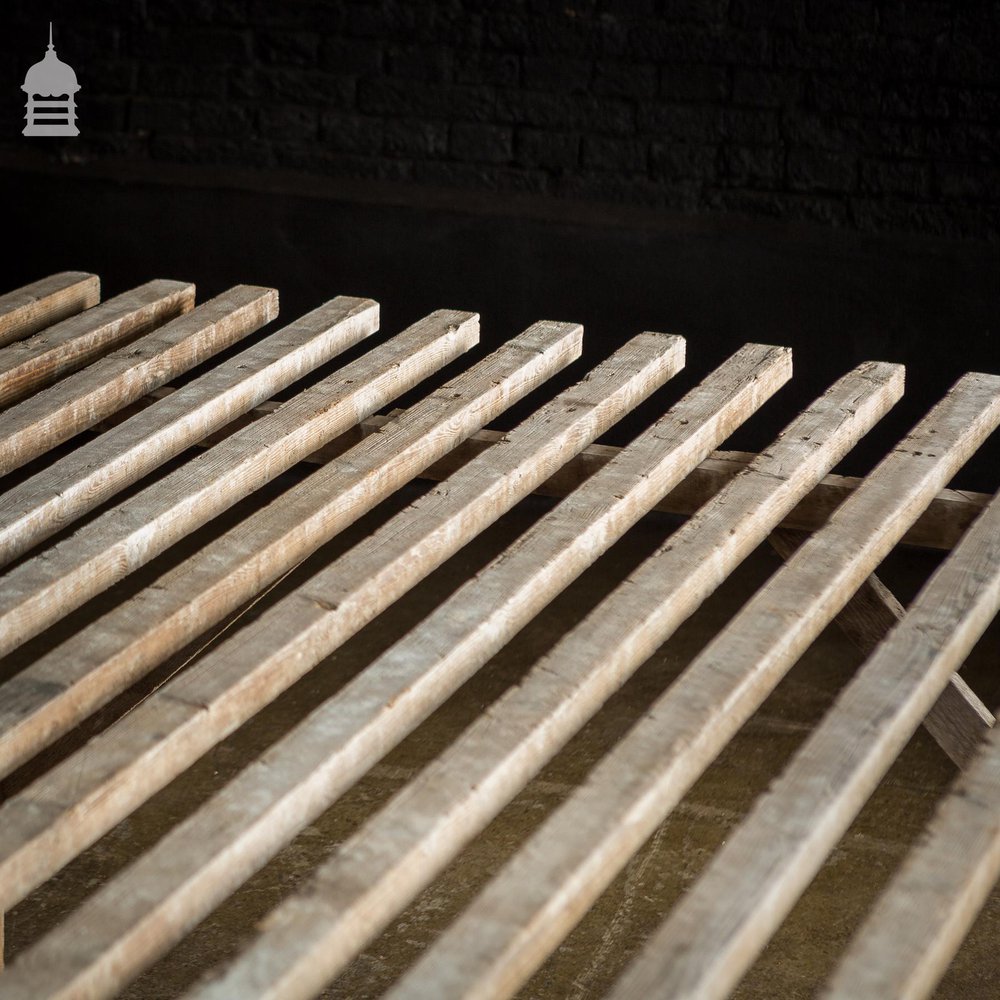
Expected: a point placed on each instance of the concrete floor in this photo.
(801, 955)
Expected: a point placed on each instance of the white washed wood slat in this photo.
(939, 526)
(53, 415)
(128, 923)
(523, 914)
(717, 929)
(29, 365)
(38, 592)
(958, 719)
(32, 308)
(120, 769)
(376, 872)
(49, 696)
(904, 947)
(42, 505)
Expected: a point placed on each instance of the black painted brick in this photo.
(344, 132)
(502, 69)
(897, 177)
(810, 170)
(397, 97)
(415, 137)
(212, 118)
(432, 64)
(626, 156)
(481, 143)
(547, 149)
(621, 78)
(287, 121)
(751, 166)
(286, 48)
(878, 114)
(351, 56)
(556, 74)
(673, 161)
(761, 88)
(694, 84)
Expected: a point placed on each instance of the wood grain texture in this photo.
(32, 308)
(539, 896)
(905, 945)
(958, 719)
(42, 699)
(123, 764)
(719, 927)
(376, 872)
(38, 592)
(38, 507)
(200, 862)
(939, 526)
(29, 365)
(80, 400)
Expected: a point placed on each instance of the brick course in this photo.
(871, 114)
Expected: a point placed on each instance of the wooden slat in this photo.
(539, 896)
(51, 695)
(173, 887)
(120, 768)
(904, 947)
(938, 527)
(37, 508)
(63, 686)
(42, 303)
(377, 871)
(32, 364)
(958, 719)
(39, 592)
(77, 402)
(719, 928)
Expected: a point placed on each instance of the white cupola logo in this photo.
(51, 87)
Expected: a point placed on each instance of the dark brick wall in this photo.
(879, 115)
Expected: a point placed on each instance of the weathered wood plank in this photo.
(45, 503)
(539, 896)
(123, 764)
(958, 719)
(51, 695)
(55, 414)
(32, 308)
(905, 945)
(38, 592)
(719, 928)
(198, 863)
(29, 365)
(938, 527)
(377, 871)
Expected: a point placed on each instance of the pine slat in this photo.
(540, 895)
(206, 857)
(38, 593)
(39, 702)
(938, 527)
(905, 946)
(40, 506)
(29, 365)
(42, 303)
(123, 766)
(958, 719)
(373, 875)
(80, 400)
(719, 928)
